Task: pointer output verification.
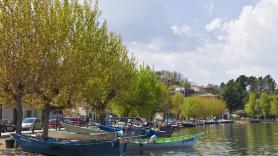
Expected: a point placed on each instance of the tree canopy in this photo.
(235, 92)
(60, 53)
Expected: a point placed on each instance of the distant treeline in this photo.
(236, 91)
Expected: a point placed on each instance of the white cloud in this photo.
(252, 42)
(155, 44)
(247, 46)
(181, 30)
(214, 24)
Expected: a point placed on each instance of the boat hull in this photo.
(178, 144)
(70, 148)
(189, 125)
(108, 128)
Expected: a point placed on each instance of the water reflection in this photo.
(168, 152)
(223, 139)
(227, 139)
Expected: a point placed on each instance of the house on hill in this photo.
(198, 89)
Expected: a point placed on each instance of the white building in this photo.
(9, 112)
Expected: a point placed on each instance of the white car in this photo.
(31, 124)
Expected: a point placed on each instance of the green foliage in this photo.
(177, 104)
(164, 104)
(189, 108)
(265, 104)
(251, 105)
(274, 105)
(58, 52)
(235, 92)
(115, 108)
(145, 96)
(200, 107)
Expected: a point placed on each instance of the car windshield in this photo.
(29, 120)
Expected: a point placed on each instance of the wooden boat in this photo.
(163, 143)
(70, 148)
(65, 135)
(80, 130)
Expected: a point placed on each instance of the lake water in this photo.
(227, 139)
(222, 139)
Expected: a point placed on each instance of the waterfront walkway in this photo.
(8, 134)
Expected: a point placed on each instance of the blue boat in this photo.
(70, 148)
(108, 128)
(123, 126)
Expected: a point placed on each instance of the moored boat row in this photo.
(107, 140)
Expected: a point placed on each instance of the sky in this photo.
(208, 41)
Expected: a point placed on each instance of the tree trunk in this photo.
(101, 113)
(46, 113)
(178, 115)
(18, 101)
(102, 116)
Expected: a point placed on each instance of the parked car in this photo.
(31, 124)
(54, 123)
(6, 126)
(72, 121)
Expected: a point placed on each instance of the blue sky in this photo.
(208, 41)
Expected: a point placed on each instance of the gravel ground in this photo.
(13, 152)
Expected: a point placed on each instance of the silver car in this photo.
(31, 124)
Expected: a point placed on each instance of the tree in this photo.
(269, 84)
(235, 92)
(189, 108)
(252, 83)
(164, 102)
(265, 104)
(233, 95)
(146, 95)
(242, 81)
(274, 105)
(110, 72)
(251, 105)
(241, 85)
(202, 108)
(58, 29)
(177, 103)
(17, 53)
(59, 52)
